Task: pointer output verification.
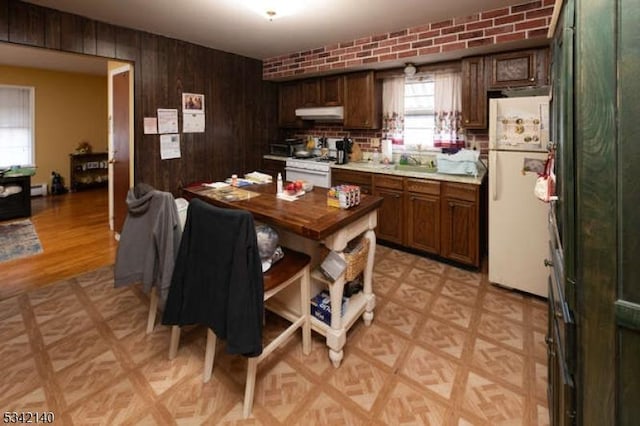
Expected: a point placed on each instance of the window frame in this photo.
(428, 114)
(32, 120)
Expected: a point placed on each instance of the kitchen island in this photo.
(310, 226)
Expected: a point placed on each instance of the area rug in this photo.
(18, 239)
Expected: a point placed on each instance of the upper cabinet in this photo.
(288, 100)
(360, 94)
(332, 90)
(474, 93)
(481, 74)
(320, 92)
(517, 69)
(362, 101)
(310, 93)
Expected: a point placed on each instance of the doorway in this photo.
(120, 137)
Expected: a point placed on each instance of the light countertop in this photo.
(389, 169)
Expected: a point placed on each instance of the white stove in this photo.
(316, 170)
(311, 170)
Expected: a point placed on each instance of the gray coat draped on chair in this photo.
(149, 240)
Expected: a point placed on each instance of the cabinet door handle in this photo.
(466, 120)
(532, 79)
(548, 263)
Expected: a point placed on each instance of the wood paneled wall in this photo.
(240, 108)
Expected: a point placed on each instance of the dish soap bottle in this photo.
(279, 184)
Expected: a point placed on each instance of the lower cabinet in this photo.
(391, 216)
(350, 177)
(460, 219)
(423, 215)
(437, 217)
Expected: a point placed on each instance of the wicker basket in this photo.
(356, 260)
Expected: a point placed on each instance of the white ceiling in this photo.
(231, 26)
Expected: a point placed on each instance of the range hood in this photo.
(321, 113)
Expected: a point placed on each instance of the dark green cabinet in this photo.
(595, 109)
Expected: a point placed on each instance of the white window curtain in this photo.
(393, 109)
(448, 98)
(16, 126)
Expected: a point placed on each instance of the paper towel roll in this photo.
(387, 151)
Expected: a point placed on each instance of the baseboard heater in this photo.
(38, 189)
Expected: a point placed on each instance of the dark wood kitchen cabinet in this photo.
(350, 177)
(332, 90)
(474, 93)
(423, 215)
(362, 101)
(460, 222)
(432, 216)
(517, 69)
(391, 216)
(310, 93)
(288, 100)
(320, 92)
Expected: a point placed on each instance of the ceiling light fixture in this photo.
(273, 9)
(409, 70)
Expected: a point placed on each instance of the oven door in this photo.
(318, 178)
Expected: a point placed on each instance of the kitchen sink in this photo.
(415, 168)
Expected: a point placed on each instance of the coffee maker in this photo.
(343, 149)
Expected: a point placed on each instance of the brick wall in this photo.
(528, 20)
(364, 137)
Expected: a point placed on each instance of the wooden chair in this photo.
(293, 268)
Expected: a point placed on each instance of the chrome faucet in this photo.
(415, 160)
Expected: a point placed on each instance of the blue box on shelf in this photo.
(321, 306)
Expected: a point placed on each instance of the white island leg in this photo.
(367, 316)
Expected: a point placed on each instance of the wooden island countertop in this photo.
(307, 224)
(309, 216)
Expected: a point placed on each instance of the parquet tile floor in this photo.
(445, 348)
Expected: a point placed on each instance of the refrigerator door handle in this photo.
(494, 176)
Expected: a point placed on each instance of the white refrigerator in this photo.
(518, 236)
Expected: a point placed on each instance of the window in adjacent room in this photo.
(17, 146)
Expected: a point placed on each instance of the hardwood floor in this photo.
(75, 237)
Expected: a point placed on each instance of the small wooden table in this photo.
(306, 225)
